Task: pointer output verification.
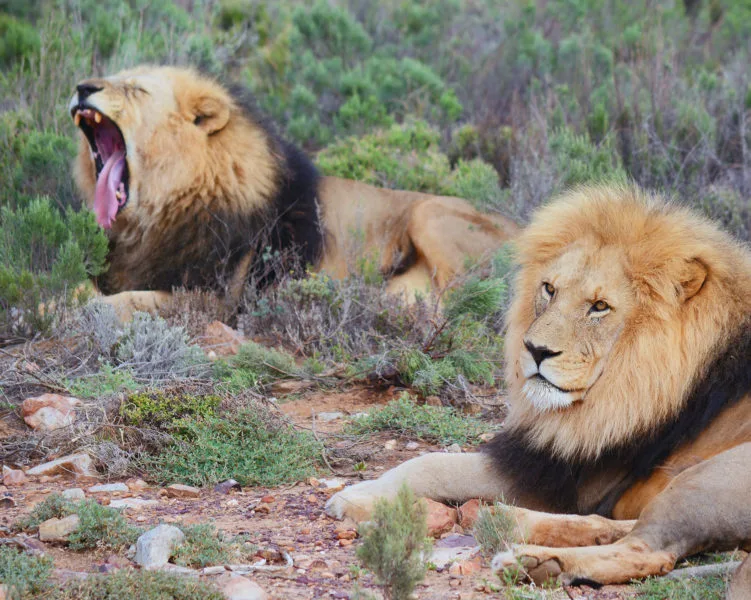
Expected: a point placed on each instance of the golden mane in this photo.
(666, 344)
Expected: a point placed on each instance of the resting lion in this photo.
(184, 174)
(628, 359)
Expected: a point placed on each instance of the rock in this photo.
(237, 587)
(178, 490)
(49, 411)
(468, 512)
(132, 503)
(75, 464)
(179, 570)
(7, 502)
(486, 437)
(441, 518)
(411, 446)
(454, 449)
(155, 547)
(222, 339)
(136, 484)
(108, 488)
(13, 477)
(58, 530)
(74, 494)
(225, 487)
(390, 445)
(213, 570)
(454, 548)
(466, 567)
(326, 417)
(335, 484)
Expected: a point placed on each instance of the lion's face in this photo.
(581, 305)
(155, 134)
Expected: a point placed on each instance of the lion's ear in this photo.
(692, 277)
(211, 114)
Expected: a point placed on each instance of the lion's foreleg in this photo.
(128, 303)
(438, 476)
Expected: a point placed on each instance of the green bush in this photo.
(442, 425)
(204, 546)
(99, 526)
(44, 256)
(250, 447)
(23, 574)
(494, 529)
(145, 585)
(395, 544)
(18, 40)
(158, 409)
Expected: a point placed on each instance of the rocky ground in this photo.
(302, 553)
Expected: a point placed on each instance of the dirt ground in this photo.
(288, 519)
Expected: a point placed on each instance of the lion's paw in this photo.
(523, 562)
(355, 502)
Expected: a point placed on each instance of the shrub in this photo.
(251, 447)
(158, 409)
(442, 425)
(23, 574)
(44, 256)
(129, 583)
(395, 544)
(18, 40)
(494, 529)
(108, 380)
(266, 364)
(204, 546)
(99, 527)
(705, 588)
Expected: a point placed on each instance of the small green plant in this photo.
(705, 588)
(494, 529)
(129, 583)
(395, 545)
(251, 446)
(24, 574)
(263, 365)
(107, 381)
(443, 425)
(204, 545)
(159, 409)
(99, 526)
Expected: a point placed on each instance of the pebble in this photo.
(390, 445)
(237, 587)
(454, 449)
(73, 464)
(327, 417)
(440, 518)
(13, 477)
(133, 503)
(411, 446)
(49, 411)
(178, 490)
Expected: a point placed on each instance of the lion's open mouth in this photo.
(109, 153)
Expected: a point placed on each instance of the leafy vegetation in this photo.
(23, 574)
(442, 425)
(204, 545)
(395, 544)
(494, 529)
(248, 446)
(705, 588)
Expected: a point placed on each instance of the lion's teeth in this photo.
(77, 119)
(98, 117)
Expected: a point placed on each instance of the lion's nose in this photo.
(86, 89)
(539, 353)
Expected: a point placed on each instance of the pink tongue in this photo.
(105, 202)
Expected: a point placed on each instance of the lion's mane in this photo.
(676, 365)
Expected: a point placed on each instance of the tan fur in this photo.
(181, 172)
(677, 290)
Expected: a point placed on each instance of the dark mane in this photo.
(555, 482)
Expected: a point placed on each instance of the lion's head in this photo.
(156, 135)
(620, 301)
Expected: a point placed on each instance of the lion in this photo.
(185, 175)
(627, 442)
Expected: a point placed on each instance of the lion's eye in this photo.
(599, 306)
(548, 289)
(197, 120)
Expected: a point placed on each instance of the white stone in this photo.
(155, 547)
(326, 417)
(454, 449)
(442, 557)
(74, 494)
(237, 587)
(74, 464)
(390, 445)
(411, 446)
(108, 487)
(218, 570)
(333, 484)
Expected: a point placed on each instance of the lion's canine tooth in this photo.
(77, 119)
(98, 117)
